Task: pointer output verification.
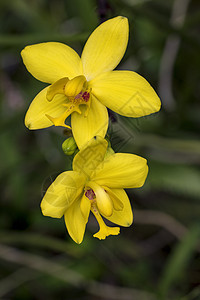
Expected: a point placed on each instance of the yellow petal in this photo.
(123, 217)
(117, 203)
(95, 123)
(36, 115)
(105, 47)
(74, 86)
(49, 62)
(126, 93)
(57, 87)
(61, 194)
(104, 203)
(121, 170)
(88, 158)
(85, 205)
(75, 221)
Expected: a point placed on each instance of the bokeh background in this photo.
(158, 256)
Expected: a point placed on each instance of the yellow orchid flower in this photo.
(83, 87)
(96, 184)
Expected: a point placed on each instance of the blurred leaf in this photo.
(24, 39)
(179, 179)
(169, 141)
(9, 153)
(85, 10)
(193, 295)
(179, 260)
(34, 241)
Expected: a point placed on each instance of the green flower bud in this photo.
(69, 146)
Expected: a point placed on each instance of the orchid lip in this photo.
(76, 92)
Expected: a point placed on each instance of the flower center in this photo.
(77, 93)
(101, 203)
(90, 194)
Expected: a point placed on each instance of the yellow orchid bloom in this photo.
(83, 87)
(96, 184)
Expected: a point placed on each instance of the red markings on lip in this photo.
(86, 96)
(90, 194)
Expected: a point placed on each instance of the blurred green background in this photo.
(158, 256)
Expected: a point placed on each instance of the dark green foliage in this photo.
(154, 258)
